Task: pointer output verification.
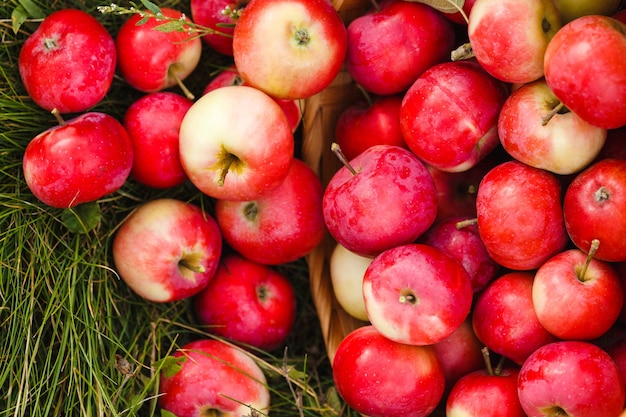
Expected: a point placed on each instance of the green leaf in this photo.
(32, 9)
(18, 17)
(444, 6)
(82, 218)
(170, 365)
(142, 21)
(165, 413)
(153, 8)
(171, 26)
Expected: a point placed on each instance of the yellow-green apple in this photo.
(520, 216)
(573, 9)
(215, 378)
(505, 320)
(378, 377)
(290, 49)
(78, 161)
(153, 60)
(153, 122)
(247, 302)
(416, 308)
(509, 38)
(68, 62)
(564, 144)
(220, 17)
(582, 49)
(594, 207)
(167, 250)
(392, 45)
(282, 225)
(551, 381)
(449, 115)
(576, 296)
(382, 198)
(347, 270)
(233, 155)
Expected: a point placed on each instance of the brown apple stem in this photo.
(192, 267)
(487, 358)
(464, 51)
(464, 223)
(595, 244)
(57, 115)
(224, 172)
(181, 85)
(337, 151)
(366, 94)
(547, 117)
(500, 365)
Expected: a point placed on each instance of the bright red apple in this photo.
(217, 15)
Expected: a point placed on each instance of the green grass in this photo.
(74, 340)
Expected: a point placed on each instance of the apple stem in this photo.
(337, 151)
(57, 115)
(487, 358)
(181, 85)
(595, 244)
(547, 117)
(465, 223)
(224, 172)
(464, 51)
(366, 94)
(192, 267)
(375, 5)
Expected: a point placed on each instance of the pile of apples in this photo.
(480, 208)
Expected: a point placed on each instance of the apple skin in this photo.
(390, 201)
(214, 376)
(281, 226)
(378, 377)
(347, 270)
(573, 9)
(520, 217)
(509, 38)
(82, 160)
(416, 308)
(215, 137)
(247, 302)
(390, 47)
(550, 376)
(449, 115)
(594, 207)
(290, 49)
(68, 63)
(153, 244)
(152, 60)
(152, 123)
(582, 49)
(574, 306)
(208, 13)
(565, 145)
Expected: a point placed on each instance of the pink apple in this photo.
(211, 14)
(364, 124)
(565, 144)
(347, 270)
(247, 302)
(594, 207)
(153, 122)
(509, 38)
(378, 377)
(78, 161)
(389, 200)
(282, 225)
(505, 320)
(416, 308)
(290, 49)
(389, 47)
(215, 379)
(520, 217)
(233, 155)
(449, 115)
(551, 379)
(68, 63)
(153, 60)
(167, 250)
(582, 49)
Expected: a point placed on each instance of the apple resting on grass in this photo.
(78, 161)
(233, 155)
(290, 49)
(167, 250)
(247, 302)
(68, 63)
(215, 379)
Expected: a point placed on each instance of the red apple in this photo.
(232, 155)
(551, 381)
(449, 115)
(509, 38)
(153, 122)
(582, 49)
(247, 302)
(382, 378)
(212, 14)
(290, 49)
(520, 218)
(282, 225)
(167, 250)
(416, 308)
(215, 379)
(389, 47)
(68, 62)
(594, 207)
(153, 60)
(78, 161)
